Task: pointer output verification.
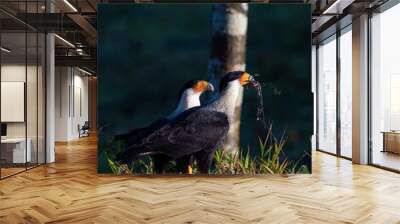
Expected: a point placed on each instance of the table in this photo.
(391, 141)
(13, 150)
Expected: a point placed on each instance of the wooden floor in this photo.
(70, 191)
(8, 171)
(5, 172)
(386, 159)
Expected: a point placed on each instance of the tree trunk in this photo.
(228, 53)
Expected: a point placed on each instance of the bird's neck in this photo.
(188, 100)
(227, 99)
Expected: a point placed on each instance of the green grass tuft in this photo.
(269, 159)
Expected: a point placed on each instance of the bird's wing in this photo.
(194, 130)
(138, 133)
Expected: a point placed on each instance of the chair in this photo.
(84, 130)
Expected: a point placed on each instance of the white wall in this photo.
(16, 73)
(33, 127)
(80, 112)
(71, 102)
(9, 73)
(61, 103)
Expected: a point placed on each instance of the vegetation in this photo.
(270, 159)
(119, 169)
(171, 48)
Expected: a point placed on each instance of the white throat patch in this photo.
(189, 99)
(227, 100)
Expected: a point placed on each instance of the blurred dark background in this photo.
(147, 51)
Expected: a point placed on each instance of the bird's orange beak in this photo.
(202, 86)
(245, 79)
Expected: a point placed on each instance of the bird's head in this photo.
(189, 95)
(196, 87)
(238, 77)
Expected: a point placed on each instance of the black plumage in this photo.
(135, 135)
(160, 161)
(198, 131)
(140, 132)
(193, 131)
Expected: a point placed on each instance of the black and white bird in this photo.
(198, 131)
(189, 97)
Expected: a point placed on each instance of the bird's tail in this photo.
(132, 154)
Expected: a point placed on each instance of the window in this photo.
(385, 88)
(346, 92)
(22, 98)
(327, 95)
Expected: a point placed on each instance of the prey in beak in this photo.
(246, 78)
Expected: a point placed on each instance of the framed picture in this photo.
(219, 89)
